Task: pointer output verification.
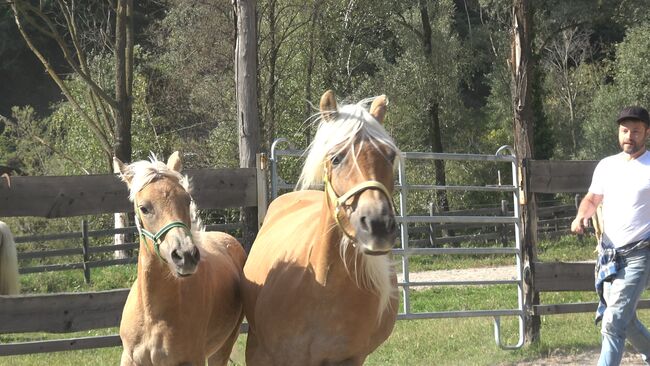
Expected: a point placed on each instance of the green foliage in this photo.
(630, 87)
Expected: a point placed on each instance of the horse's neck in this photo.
(157, 287)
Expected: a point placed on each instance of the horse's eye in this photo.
(391, 157)
(144, 210)
(336, 160)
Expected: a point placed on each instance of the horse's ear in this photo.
(328, 105)
(378, 108)
(174, 162)
(125, 173)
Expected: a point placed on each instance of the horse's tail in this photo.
(9, 280)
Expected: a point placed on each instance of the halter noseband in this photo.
(339, 201)
(156, 238)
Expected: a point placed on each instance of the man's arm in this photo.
(586, 209)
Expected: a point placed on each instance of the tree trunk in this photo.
(123, 79)
(310, 68)
(247, 112)
(433, 116)
(521, 66)
(123, 96)
(435, 140)
(273, 58)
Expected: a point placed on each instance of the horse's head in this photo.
(162, 205)
(354, 156)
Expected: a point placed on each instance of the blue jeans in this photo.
(620, 321)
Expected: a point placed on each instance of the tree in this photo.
(247, 112)
(521, 64)
(565, 54)
(107, 114)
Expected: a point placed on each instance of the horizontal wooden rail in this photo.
(579, 307)
(61, 313)
(66, 196)
(559, 176)
(564, 276)
(60, 345)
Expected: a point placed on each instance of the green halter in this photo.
(157, 238)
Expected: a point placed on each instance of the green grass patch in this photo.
(567, 248)
(103, 278)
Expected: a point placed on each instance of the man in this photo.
(622, 183)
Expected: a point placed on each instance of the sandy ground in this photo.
(506, 273)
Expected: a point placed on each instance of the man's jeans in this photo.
(620, 321)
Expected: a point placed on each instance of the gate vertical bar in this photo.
(519, 261)
(404, 233)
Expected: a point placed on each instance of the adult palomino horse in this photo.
(9, 280)
(318, 285)
(184, 305)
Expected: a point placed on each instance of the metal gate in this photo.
(505, 154)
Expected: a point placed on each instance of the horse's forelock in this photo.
(145, 172)
(352, 122)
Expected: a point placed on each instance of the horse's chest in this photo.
(323, 321)
(161, 346)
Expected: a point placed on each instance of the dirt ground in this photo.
(585, 358)
(506, 273)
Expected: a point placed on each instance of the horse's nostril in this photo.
(175, 256)
(364, 223)
(196, 255)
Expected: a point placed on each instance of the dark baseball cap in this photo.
(634, 112)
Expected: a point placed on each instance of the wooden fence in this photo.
(86, 250)
(553, 221)
(55, 197)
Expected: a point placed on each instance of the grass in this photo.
(458, 341)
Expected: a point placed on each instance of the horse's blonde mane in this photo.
(9, 278)
(375, 276)
(352, 124)
(144, 172)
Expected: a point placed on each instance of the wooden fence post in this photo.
(85, 239)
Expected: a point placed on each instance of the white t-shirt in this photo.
(625, 186)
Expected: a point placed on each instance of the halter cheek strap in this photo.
(156, 238)
(339, 201)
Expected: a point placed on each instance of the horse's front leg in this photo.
(126, 359)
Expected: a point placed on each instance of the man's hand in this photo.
(578, 225)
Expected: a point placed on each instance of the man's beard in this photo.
(630, 148)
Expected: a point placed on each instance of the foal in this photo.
(184, 305)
